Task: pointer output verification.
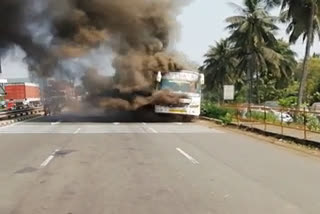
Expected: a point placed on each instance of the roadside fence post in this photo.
(281, 115)
(265, 117)
(238, 115)
(250, 117)
(305, 123)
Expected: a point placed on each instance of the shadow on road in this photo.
(128, 117)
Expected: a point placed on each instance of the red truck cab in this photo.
(10, 105)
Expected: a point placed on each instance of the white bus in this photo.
(186, 83)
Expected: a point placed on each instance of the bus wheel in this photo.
(188, 118)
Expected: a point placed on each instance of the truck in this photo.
(186, 83)
(24, 95)
(57, 94)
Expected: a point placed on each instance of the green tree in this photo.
(313, 81)
(218, 67)
(313, 77)
(302, 16)
(252, 33)
(273, 80)
(287, 65)
(303, 19)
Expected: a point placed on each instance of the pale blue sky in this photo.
(203, 23)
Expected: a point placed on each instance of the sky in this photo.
(203, 23)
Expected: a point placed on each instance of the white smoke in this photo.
(13, 65)
(99, 59)
(40, 29)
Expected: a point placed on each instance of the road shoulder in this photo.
(288, 145)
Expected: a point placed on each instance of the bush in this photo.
(259, 115)
(313, 123)
(214, 111)
(288, 102)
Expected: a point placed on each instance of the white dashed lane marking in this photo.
(77, 131)
(153, 130)
(189, 157)
(49, 159)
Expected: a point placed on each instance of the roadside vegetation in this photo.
(261, 66)
(210, 109)
(230, 115)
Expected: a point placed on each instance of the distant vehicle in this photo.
(24, 95)
(315, 107)
(10, 105)
(283, 116)
(7, 105)
(22, 104)
(3, 104)
(54, 105)
(186, 83)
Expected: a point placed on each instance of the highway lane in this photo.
(53, 166)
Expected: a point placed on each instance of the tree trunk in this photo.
(257, 87)
(250, 79)
(222, 91)
(304, 77)
(251, 85)
(248, 84)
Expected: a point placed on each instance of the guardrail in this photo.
(299, 124)
(19, 113)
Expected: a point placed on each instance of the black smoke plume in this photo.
(139, 32)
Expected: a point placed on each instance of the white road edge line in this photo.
(77, 131)
(189, 157)
(153, 130)
(49, 159)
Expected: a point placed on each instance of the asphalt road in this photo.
(50, 166)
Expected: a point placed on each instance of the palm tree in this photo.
(219, 67)
(283, 74)
(274, 79)
(252, 33)
(272, 3)
(302, 16)
(287, 64)
(302, 26)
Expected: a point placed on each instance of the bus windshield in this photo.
(179, 86)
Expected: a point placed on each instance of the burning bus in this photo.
(186, 83)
